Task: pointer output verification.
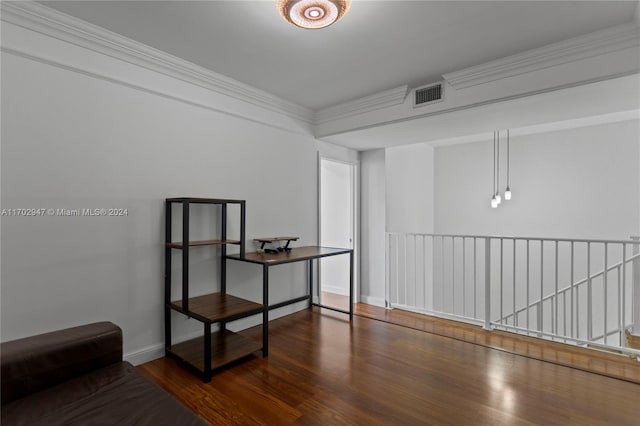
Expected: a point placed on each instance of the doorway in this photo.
(337, 228)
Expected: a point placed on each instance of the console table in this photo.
(298, 254)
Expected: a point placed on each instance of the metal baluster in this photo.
(501, 280)
(635, 289)
(605, 289)
(475, 276)
(623, 306)
(398, 269)
(555, 317)
(528, 295)
(620, 328)
(572, 289)
(442, 282)
(487, 284)
(589, 325)
(464, 274)
(453, 276)
(404, 244)
(515, 316)
(415, 271)
(387, 273)
(564, 314)
(424, 272)
(577, 312)
(540, 305)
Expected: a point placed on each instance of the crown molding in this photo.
(464, 107)
(44, 20)
(379, 100)
(574, 49)
(143, 88)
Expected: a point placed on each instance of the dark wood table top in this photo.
(294, 255)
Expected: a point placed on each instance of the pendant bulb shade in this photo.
(498, 199)
(312, 14)
(507, 194)
(494, 202)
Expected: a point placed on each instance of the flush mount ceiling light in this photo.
(312, 14)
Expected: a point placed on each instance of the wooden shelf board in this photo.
(220, 307)
(226, 347)
(179, 245)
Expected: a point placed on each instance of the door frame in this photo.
(355, 222)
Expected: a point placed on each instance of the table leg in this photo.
(265, 313)
(310, 283)
(351, 285)
(167, 328)
(207, 373)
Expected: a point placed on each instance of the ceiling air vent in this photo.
(428, 94)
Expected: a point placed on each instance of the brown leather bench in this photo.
(77, 376)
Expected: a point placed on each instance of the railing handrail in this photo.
(442, 278)
(508, 237)
(576, 284)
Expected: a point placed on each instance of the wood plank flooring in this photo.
(587, 359)
(323, 369)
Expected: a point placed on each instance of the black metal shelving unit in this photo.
(217, 349)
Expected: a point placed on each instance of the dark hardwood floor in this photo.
(323, 369)
(592, 360)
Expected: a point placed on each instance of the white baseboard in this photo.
(156, 351)
(375, 301)
(335, 290)
(145, 355)
(153, 352)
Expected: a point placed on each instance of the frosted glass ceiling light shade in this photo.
(312, 14)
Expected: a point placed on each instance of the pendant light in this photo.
(507, 192)
(498, 197)
(494, 201)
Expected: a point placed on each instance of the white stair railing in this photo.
(519, 284)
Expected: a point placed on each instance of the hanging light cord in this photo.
(508, 158)
(494, 164)
(498, 165)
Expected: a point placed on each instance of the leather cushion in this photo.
(35, 363)
(114, 395)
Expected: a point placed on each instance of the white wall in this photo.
(410, 186)
(122, 136)
(372, 178)
(580, 183)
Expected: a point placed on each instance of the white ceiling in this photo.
(378, 45)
